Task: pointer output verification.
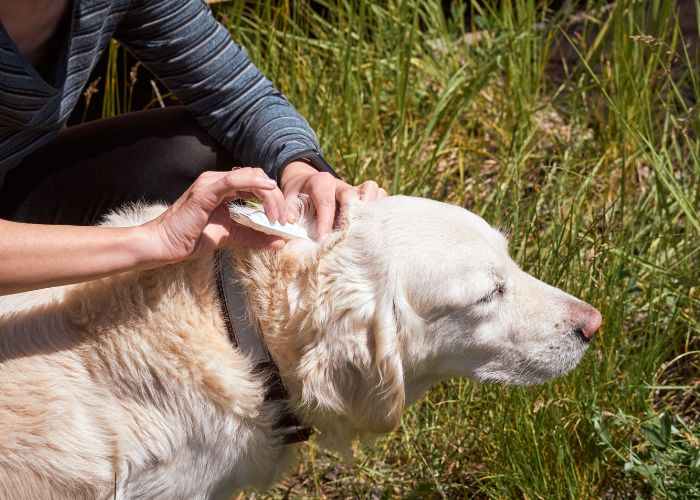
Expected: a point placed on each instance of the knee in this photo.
(185, 150)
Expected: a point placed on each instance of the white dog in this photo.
(129, 386)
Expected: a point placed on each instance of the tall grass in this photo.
(578, 135)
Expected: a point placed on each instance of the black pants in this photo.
(92, 168)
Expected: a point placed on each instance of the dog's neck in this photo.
(331, 329)
(277, 285)
(293, 295)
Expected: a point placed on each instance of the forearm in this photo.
(216, 80)
(38, 256)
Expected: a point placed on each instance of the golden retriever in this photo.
(129, 387)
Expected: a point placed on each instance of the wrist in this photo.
(293, 171)
(314, 159)
(142, 248)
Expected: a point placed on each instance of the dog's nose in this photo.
(587, 320)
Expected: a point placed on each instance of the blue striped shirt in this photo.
(181, 43)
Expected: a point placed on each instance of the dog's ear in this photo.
(379, 396)
(304, 212)
(352, 377)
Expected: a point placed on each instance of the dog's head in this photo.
(409, 292)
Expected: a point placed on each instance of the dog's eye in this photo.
(498, 291)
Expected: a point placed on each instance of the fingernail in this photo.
(271, 182)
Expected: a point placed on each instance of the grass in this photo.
(578, 135)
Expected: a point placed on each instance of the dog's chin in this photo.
(538, 367)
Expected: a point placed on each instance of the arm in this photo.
(37, 256)
(194, 56)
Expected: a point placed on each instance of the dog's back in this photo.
(129, 384)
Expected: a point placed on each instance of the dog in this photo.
(129, 387)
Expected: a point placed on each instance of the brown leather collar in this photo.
(242, 335)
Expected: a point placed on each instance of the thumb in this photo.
(243, 236)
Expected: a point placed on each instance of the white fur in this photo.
(130, 382)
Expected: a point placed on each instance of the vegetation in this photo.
(577, 133)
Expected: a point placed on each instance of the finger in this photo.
(247, 237)
(200, 184)
(368, 191)
(282, 206)
(212, 175)
(345, 193)
(273, 200)
(290, 196)
(290, 204)
(322, 192)
(229, 185)
(217, 228)
(274, 205)
(381, 194)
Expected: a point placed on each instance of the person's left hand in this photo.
(326, 192)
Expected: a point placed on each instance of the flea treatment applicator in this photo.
(255, 218)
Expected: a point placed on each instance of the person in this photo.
(55, 182)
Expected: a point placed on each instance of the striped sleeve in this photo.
(195, 58)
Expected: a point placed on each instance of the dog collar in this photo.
(245, 337)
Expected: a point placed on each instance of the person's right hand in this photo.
(199, 221)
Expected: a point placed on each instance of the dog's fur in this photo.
(130, 383)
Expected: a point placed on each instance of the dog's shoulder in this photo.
(133, 214)
(144, 357)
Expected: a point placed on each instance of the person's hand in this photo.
(199, 221)
(325, 191)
